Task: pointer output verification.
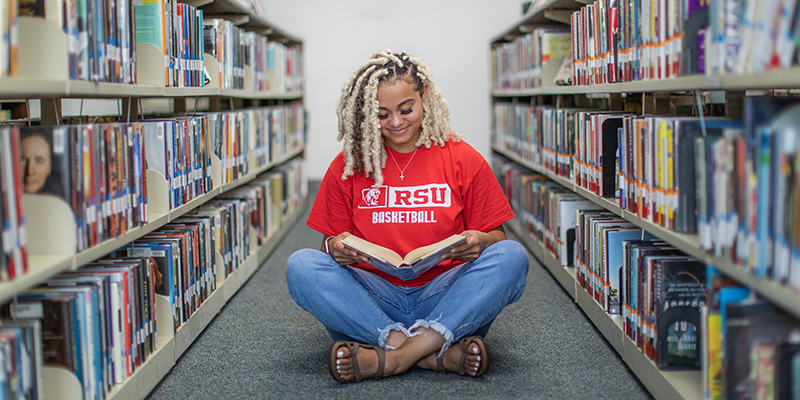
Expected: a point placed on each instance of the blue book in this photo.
(614, 261)
(763, 231)
(162, 254)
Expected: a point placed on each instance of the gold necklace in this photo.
(402, 170)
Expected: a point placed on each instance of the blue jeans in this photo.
(358, 305)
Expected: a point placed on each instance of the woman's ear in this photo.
(424, 92)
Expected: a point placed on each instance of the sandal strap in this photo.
(353, 350)
(381, 362)
(464, 344)
(440, 364)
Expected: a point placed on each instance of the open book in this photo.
(415, 262)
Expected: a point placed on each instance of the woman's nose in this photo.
(394, 119)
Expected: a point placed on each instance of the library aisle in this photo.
(262, 345)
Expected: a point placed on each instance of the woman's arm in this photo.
(476, 242)
(344, 256)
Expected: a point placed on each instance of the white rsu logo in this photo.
(433, 195)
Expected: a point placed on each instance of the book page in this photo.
(418, 260)
(372, 250)
(436, 248)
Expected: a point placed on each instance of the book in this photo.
(680, 291)
(409, 267)
(753, 331)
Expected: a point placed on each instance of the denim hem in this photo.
(439, 328)
(384, 334)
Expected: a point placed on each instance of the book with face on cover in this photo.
(409, 267)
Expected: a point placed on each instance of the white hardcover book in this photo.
(748, 35)
(5, 45)
(783, 48)
(765, 34)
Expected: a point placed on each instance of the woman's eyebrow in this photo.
(399, 105)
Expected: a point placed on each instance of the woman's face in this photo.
(35, 163)
(400, 114)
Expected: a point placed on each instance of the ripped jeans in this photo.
(360, 306)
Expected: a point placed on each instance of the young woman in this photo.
(404, 180)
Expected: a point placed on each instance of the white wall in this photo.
(451, 36)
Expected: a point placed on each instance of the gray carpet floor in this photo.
(263, 346)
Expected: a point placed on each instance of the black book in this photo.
(5, 254)
(680, 287)
(686, 166)
(56, 314)
(609, 124)
(755, 332)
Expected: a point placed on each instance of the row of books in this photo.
(270, 132)
(176, 29)
(275, 67)
(620, 41)
(751, 349)
(518, 64)
(270, 198)
(98, 170)
(655, 288)
(745, 37)
(224, 41)
(9, 38)
(180, 150)
(13, 260)
(184, 254)
(748, 189)
(100, 321)
(680, 312)
(284, 68)
(735, 183)
(101, 37)
(20, 359)
(258, 53)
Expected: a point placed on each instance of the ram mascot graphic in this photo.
(371, 196)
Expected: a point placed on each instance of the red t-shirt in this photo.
(444, 191)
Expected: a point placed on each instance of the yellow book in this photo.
(669, 187)
(714, 361)
(658, 200)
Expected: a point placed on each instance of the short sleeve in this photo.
(332, 212)
(485, 204)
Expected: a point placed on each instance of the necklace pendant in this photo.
(401, 176)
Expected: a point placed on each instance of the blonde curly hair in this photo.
(358, 112)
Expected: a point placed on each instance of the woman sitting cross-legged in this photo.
(395, 126)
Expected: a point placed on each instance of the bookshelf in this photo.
(668, 385)
(171, 347)
(43, 265)
(778, 79)
(50, 224)
(555, 13)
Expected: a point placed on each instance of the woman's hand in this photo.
(476, 242)
(341, 254)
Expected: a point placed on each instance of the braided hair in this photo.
(358, 112)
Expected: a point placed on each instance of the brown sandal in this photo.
(354, 346)
(462, 363)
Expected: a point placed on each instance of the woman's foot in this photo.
(468, 356)
(353, 362)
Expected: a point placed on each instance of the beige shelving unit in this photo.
(661, 384)
(51, 244)
(53, 254)
(43, 63)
